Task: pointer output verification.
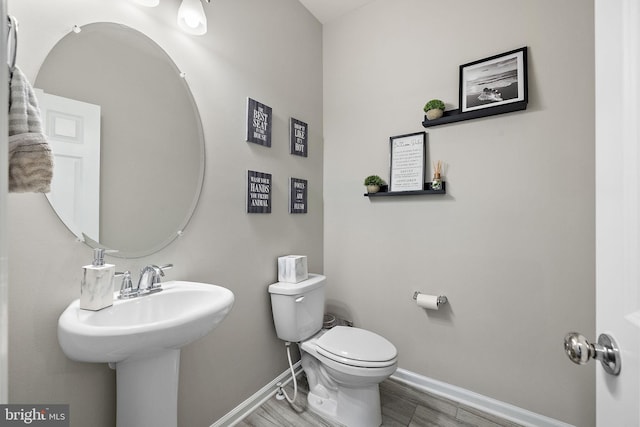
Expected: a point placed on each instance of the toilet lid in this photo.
(357, 347)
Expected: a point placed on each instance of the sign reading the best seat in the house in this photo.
(258, 192)
(259, 119)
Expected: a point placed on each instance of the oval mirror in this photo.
(126, 136)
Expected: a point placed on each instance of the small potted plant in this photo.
(373, 183)
(434, 109)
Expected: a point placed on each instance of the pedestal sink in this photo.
(142, 338)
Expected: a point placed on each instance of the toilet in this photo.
(344, 365)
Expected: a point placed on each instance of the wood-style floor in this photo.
(402, 406)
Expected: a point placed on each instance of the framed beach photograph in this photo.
(494, 81)
(408, 155)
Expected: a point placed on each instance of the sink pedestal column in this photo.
(147, 390)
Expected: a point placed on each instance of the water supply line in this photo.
(282, 394)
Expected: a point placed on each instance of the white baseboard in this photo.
(475, 400)
(419, 382)
(258, 398)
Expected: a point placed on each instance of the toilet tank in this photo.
(298, 308)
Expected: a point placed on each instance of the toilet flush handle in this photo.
(299, 299)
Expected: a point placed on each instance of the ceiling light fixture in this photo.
(148, 3)
(191, 17)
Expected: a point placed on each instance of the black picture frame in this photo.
(407, 162)
(298, 200)
(298, 137)
(259, 186)
(259, 122)
(493, 82)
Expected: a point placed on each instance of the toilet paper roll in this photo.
(429, 302)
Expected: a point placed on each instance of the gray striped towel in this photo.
(30, 158)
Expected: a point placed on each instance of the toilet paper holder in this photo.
(441, 299)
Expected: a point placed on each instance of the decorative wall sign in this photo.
(297, 195)
(407, 162)
(258, 192)
(494, 81)
(298, 137)
(259, 119)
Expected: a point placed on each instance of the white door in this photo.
(73, 130)
(617, 28)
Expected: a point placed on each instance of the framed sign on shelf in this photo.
(407, 162)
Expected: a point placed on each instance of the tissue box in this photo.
(292, 268)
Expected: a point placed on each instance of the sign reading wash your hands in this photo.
(258, 192)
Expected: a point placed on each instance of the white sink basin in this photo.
(141, 338)
(178, 315)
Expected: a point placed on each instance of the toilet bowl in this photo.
(344, 365)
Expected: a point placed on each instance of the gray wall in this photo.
(267, 50)
(512, 243)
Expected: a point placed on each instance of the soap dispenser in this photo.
(96, 289)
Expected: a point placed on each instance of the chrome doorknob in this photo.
(580, 351)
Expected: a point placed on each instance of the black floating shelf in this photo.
(427, 190)
(453, 116)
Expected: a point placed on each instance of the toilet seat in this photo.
(356, 347)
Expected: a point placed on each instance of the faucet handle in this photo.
(165, 267)
(126, 288)
(159, 270)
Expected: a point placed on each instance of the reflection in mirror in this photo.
(126, 136)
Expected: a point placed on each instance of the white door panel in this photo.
(73, 130)
(617, 205)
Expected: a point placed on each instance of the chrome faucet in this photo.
(149, 281)
(149, 278)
